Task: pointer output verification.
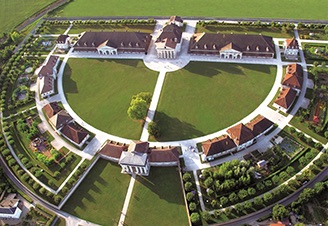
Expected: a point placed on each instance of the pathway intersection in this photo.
(189, 148)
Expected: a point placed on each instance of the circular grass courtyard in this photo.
(199, 99)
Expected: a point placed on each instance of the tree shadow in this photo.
(175, 129)
(69, 84)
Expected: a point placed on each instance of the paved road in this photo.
(286, 201)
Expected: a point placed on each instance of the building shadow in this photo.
(173, 128)
(69, 84)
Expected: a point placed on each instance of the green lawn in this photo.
(205, 97)
(302, 9)
(13, 12)
(228, 29)
(100, 197)
(157, 200)
(78, 28)
(100, 91)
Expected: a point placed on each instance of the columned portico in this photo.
(107, 51)
(231, 54)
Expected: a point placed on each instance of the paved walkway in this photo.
(153, 105)
(127, 200)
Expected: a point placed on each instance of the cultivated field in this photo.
(14, 12)
(301, 9)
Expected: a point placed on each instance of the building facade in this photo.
(291, 49)
(168, 43)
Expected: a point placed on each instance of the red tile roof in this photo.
(249, 45)
(292, 43)
(293, 81)
(286, 98)
(139, 146)
(74, 133)
(164, 155)
(170, 36)
(47, 68)
(60, 119)
(240, 134)
(217, 145)
(113, 150)
(294, 69)
(51, 109)
(62, 38)
(176, 18)
(259, 125)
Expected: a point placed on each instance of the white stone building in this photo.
(168, 43)
(63, 42)
(291, 49)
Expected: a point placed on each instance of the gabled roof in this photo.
(286, 98)
(246, 43)
(292, 43)
(119, 40)
(217, 145)
(51, 109)
(138, 146)
(46, 84)
(60, 119)
(47, 68)
(294, 69)
(113, 150)
(240, 134)
(170, 36)
(231, 46)
(74, 133)
(62, 38)
(259, 125)
(164, 155)
(6, 210)
(176, 18)
(293, 81)
(133, 158)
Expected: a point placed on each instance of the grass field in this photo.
(100, 91)
(13, 12)
(205, 97)
(302, 9)
(235, 29)
(157, 200)
(100, 197)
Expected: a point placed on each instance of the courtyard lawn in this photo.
(206, 97)
(157, 200)
(100, 197)
(100, 91)
(302, 9)
(14, 12)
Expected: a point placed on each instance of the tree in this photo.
(251, 191)
(275, 179)
(146, 96)
(138, 109)
(233, 197)
(153, 129)
(239, 207)
(15, 36)
(214, 203)
(279, 212)
(248, 204)
(242, 194)
(208, 182)
(190, 196)
(319, 187)
(195, 218)
(224, 200)
(206, 215)
(186, 177)
(188, 186)
(267, 197)
(258, 201)
(192, 206)
(290, 170)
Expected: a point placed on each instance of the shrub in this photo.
(186, 177)
(195, 218)
(190, 196)
(188, 186)
(192, 206)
